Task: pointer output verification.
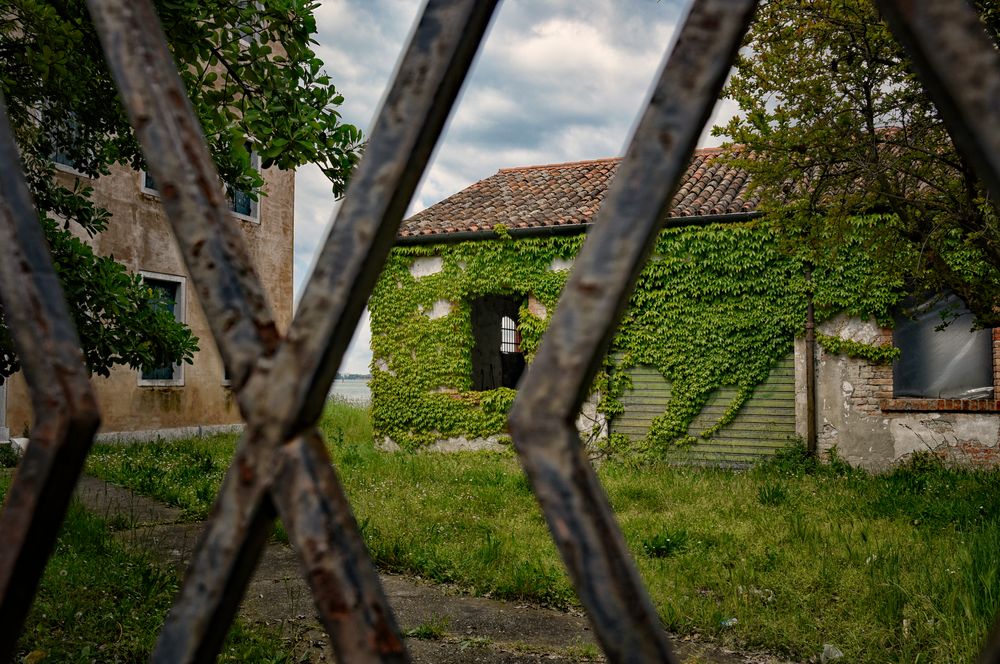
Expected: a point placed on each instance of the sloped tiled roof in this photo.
(570, 195)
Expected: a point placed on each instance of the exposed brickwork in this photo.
(873, 393)
(941, 405)
(969, 454)
(996, 362)
(873, 382)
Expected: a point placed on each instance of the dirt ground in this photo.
(456, 628)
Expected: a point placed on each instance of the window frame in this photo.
(890, 403)
(253, 217)
(155, 193)
(513, 303)
(180, 314)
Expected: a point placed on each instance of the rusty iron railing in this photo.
(281, 466)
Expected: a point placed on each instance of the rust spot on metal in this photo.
(247, 473)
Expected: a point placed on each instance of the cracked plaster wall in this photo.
(848, 394)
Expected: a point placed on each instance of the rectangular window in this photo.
(240, 202)
(147, 184)
(169, 290)
(941, 361)
(497, 360)
(67, 131)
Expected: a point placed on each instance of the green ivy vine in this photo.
(874, 353)
(716, 305)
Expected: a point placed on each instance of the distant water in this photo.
(352, 390)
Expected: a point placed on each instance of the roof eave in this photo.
(565, 229)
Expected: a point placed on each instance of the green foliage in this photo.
(100, 601)
(834, 123)
(8, 457)
(846, 553)
(665, 543)
(880, 354)
(255, 83)
(423, 392)
(716, 305)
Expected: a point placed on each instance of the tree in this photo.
(256, 85)
(834, 124)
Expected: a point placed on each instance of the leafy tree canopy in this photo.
(256, 85)
(834, 123)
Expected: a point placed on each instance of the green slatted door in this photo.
(765, 424)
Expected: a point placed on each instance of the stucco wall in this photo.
(856, 411)
(139, 236)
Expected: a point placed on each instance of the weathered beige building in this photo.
(190, 398)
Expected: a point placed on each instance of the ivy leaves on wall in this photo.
(716, 305)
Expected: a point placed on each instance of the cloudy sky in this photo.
(555, 81)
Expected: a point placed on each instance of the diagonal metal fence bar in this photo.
(424, 89)
(65, 410)
(177, 157)
(959, 66)
(427, 84)
(213, 248)
(549, 396)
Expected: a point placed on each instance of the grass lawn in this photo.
(900, 567)
(100, 602)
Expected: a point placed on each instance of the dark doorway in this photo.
(497, 360)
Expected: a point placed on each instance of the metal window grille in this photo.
(510, 339)
(281, 465)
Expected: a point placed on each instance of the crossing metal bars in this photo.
(281, 466)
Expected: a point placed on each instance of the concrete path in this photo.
(468, 629)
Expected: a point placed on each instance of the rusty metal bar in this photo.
(426, 84)
(228, 549)
(177, 156)
(960, 67)
(345, 610)
(542, 418)
(65, 410)
(234, 302)
(991, 649)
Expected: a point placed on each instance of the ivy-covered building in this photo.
(709, 363)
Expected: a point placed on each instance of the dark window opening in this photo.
(240, 201)
(951, 362)
(166, 298)
(497, 360)
(64, 134)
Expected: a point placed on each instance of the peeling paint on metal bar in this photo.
(550, 395)
(66, 414)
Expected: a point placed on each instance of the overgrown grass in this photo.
(101, 602)
(892, 568)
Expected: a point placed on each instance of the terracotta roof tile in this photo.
(570, 194)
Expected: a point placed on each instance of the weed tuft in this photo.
(8, 456)
(772, 494)
(434, 629)
(665, 543)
